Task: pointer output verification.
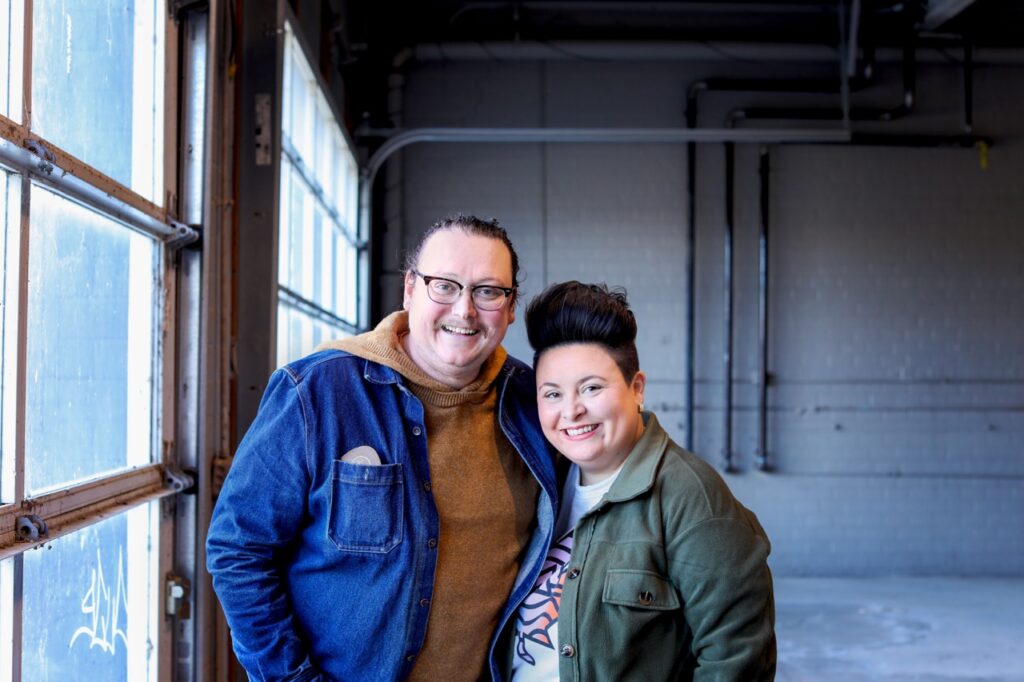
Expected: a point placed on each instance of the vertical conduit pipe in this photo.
(727, 314)
(844, 78)
(691, 260)
(761, 455)
(968, 85)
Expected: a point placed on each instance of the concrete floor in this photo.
(895, 629)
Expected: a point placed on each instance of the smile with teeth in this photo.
(462, 331)
(579, 430)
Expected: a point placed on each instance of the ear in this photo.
(638, 385)
(410, 282)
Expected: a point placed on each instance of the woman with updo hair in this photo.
(655, 572)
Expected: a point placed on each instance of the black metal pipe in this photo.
(785, 85)
(968, 85)
(761, 454)
(822, 86)
(727, 314)
(691, 284)
(919, 141)
(844, 87)
(905, 107)
(691, 262)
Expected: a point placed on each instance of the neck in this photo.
(456, 380)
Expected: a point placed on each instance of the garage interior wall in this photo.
(896, 396)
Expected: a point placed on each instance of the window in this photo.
(85, 244)
(319, 253)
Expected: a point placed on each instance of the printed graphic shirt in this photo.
(536, 634)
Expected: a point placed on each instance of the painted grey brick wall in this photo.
(896, 418)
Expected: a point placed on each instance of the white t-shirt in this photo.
(536, 634)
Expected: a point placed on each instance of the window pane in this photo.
(90, 603)
(318, 175)
(89, 346)
(11, 58)
(10, 203)
(7, 608)
(299, 334)
(97, 86)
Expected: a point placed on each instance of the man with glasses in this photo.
(393, 501)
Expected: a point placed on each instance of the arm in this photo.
(259, 514)
(721, 568)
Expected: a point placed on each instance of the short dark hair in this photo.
(574, 312)
(469, 224)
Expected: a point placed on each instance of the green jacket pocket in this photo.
(639, 589)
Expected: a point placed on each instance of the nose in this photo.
(463, 305)
(572, 408)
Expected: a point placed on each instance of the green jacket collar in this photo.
(641, 465)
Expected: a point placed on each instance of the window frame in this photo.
(289, 301)
(32, 160)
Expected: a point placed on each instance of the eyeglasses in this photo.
(447, 291)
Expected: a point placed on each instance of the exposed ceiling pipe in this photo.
(396, 142)
(788, 85)
(405, 138)
(633, 7)
(694, 51)
(905, 107)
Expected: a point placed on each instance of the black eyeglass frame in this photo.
(427, 279)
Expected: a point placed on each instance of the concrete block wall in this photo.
(896, 411)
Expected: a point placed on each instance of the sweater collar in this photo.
(383, 346)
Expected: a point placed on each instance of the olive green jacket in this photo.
(668, 578)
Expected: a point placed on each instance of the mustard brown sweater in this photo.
(485, 497)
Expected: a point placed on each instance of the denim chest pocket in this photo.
(367, 507)
(639, 589)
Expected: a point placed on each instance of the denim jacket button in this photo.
(574, 573)
(432, 543)
(426, 486)
(568, 651)
(416, 430)
(424, 602)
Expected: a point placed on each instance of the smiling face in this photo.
(587, 409)
(451, 342)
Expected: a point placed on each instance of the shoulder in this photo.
(320, 363)
(711, 529)
(520, 376)
(684, 479)
(517, 366)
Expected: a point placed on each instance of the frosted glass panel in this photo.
(89, 347)
(97, 85)
(89, 603)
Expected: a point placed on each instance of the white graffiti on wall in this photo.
(103, 606)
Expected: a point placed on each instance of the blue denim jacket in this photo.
(321, 564)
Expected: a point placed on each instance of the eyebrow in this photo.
(486, 281)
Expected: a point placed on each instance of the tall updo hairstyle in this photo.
(574, 312)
